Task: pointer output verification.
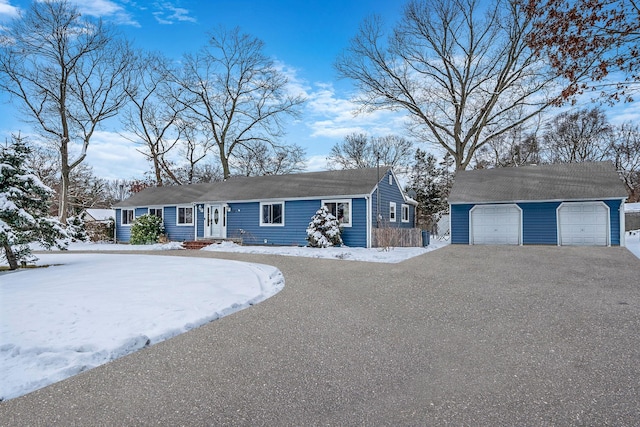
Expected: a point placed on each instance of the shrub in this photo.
(324, 230)
(146, 230)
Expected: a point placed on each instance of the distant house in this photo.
(99, 223)
(99, 215)
(274, 209)
(559, 204)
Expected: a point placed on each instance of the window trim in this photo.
(161, 209)
(347, 201)
(393, 214)
(133, 217)
(405, 208)
(271, 224)
(184, 224)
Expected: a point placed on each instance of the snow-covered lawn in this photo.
(393, 255)
(632, 241)
(87, 309)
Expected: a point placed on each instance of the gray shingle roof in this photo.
(567, 181)
(305, 185)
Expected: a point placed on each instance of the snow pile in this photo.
(87, 309)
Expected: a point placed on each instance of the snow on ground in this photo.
(632, 241)
(87, 309)
(392, 255)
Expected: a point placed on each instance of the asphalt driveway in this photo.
(466, 335)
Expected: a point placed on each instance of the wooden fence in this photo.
(389, 237)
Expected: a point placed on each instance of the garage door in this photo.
(495, 225)
(584, 223)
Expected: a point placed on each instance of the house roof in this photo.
(305, 185)
(566, 181)
(100, 214)
(632, 207)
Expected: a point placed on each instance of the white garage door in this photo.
(584, 223)
(495, 225)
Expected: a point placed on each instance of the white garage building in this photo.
(560, 204)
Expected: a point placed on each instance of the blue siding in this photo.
(244, 221)
(539, 222)
(390, 193)
(172, 230)
(175, 232)
(199, 221)
(460, 223)
(123, 234)
(614, 215)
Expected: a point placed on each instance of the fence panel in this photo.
(389, 237)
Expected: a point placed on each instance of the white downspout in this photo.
(369, 213)
(622, 226)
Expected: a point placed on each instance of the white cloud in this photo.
(107, 9)
(316, 163)
(168, 14)
(336, 116)
(8, 11)
(114, 157)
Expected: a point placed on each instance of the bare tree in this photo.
(68, 74)
(518, 147)
(236, 93)
(359, 151)
(461, 69)
(261, 160)
(626, 150)
(153, 116)
(196, 144)
(594, 44)
(578, 136)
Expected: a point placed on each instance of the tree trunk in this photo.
(65, 181)
(11, 257)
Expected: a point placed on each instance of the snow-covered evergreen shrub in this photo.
(146, 230)
(76, 229)
(24, 207)
(324, 230)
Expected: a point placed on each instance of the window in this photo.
(272, 213)
(156, 211)
(185, 215)
(405, 213)
(390, 179)
(392, 211)
(341, 209)
(127, 216)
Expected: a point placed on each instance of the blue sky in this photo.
(303, 37)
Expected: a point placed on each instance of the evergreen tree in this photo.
(324, 230)
(430, 181)
(24, 207)
(77, 229)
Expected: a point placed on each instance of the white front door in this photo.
(215, 222)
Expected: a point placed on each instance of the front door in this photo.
(215, 222)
